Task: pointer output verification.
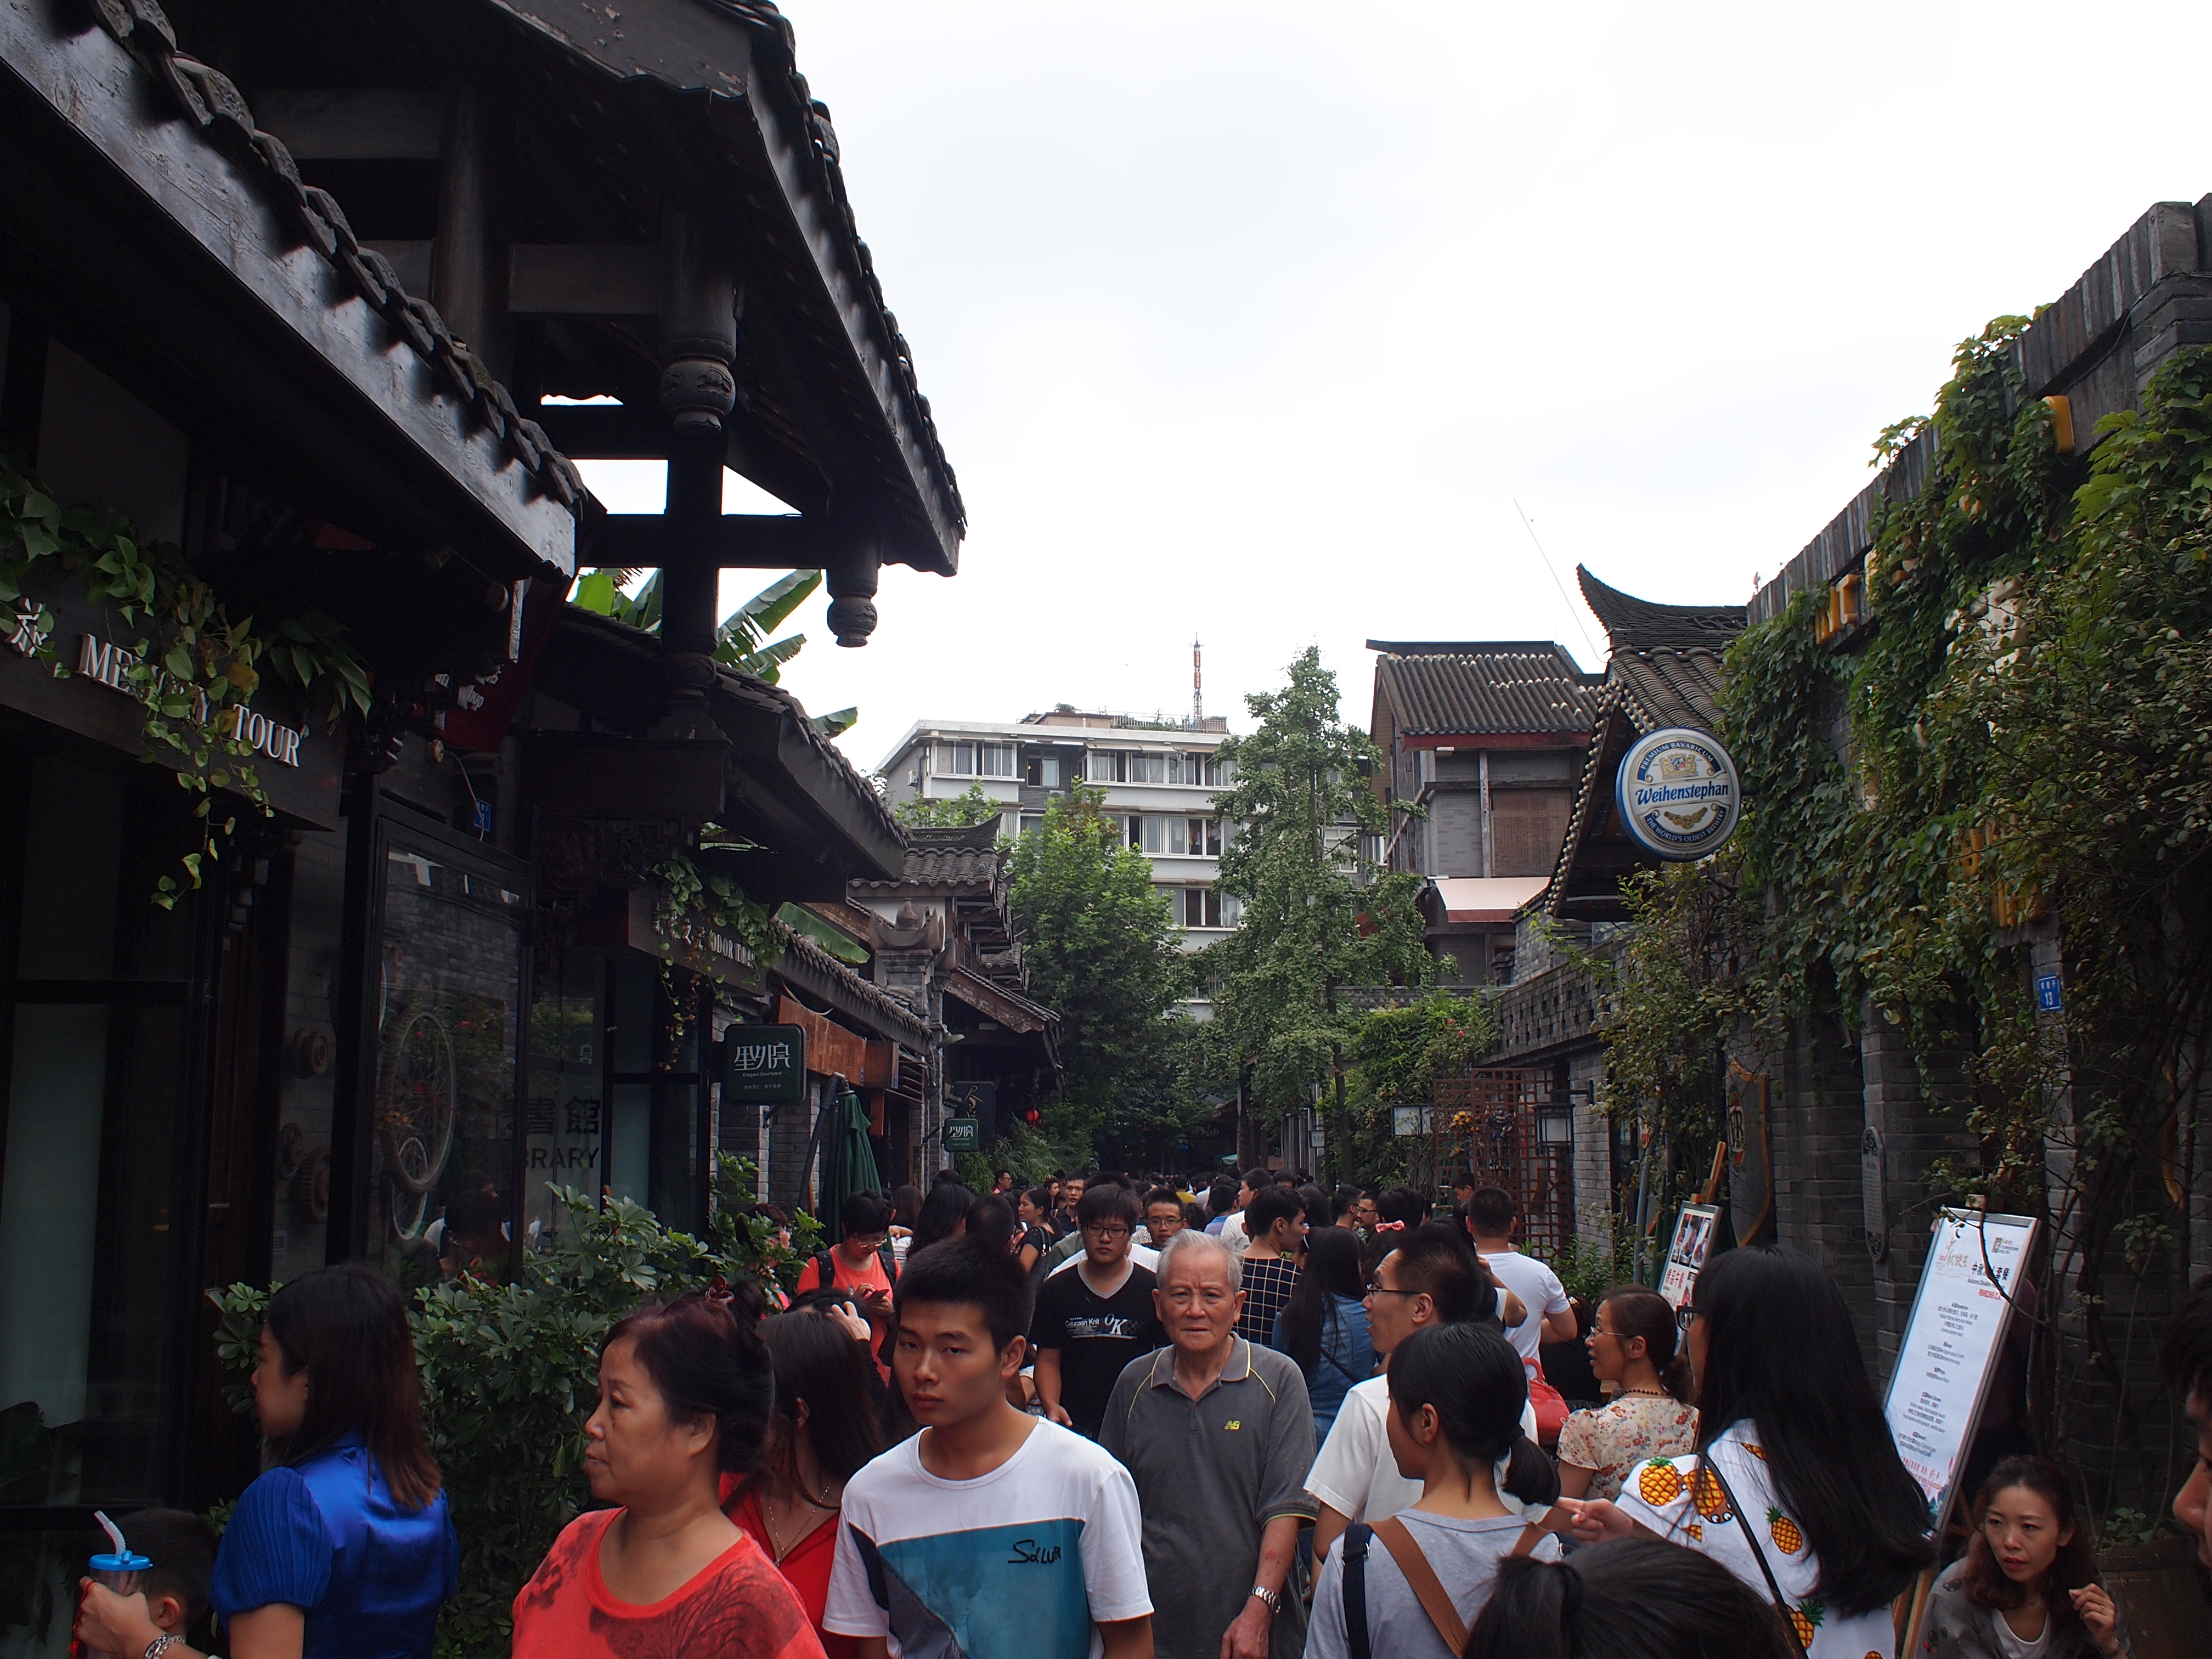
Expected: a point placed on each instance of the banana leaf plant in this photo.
(741, 642)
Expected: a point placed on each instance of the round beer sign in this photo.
(1678, 794)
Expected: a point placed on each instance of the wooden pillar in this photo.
(466, 282)
(698, 342)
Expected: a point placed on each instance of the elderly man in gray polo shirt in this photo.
(1219, 1436)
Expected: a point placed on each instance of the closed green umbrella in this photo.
(852, 1161)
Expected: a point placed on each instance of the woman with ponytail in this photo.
(684, 1393)
(1406, 1587)
(1638, 1599)
(1632, 1345)
(1796, 1487)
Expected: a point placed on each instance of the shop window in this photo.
(94, 984)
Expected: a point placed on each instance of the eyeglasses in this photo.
(1375, 1288)
(1107, 1232)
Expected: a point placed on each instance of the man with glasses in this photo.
(1432, 1277)
(1217, 1432)
(1090, 1322)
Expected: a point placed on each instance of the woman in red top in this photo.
(823, 1429)
(684, 1399)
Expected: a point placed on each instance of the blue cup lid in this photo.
(130, 1562)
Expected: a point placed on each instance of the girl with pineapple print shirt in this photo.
(1795, 1485)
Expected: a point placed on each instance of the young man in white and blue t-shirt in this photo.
(990, 1535)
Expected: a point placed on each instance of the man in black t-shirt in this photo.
(1094, 1316)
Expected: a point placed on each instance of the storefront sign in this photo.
(963, 1135)
(1685, 1256)
(762, 1064)
(73, 691)
(1678, 794)
(1950, 1345)
(112, 666)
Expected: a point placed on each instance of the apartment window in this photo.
(956, 760)
(1031, 822)
(1147, 768)
(1201, 907)
(1195, 837)
(1105, 765)
(995, 760)
(1041, 771)
(976, 760)
(1148, 835)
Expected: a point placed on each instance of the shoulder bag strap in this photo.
(1781, 1602)
(1421, 1577)
(1357, 1641)
(825, 1271)
(888, 1257)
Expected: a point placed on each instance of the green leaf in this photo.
(838, 722)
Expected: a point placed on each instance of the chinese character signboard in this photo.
(762, 1063)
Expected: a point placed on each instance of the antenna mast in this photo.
(1197, 688)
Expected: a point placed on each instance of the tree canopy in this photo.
(1100, 945)
(1318, 914)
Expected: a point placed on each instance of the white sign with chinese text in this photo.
(1958, 1324)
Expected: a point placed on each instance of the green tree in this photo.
(1100, 944)
(961, 810)
(1318, 915)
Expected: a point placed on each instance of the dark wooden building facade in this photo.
(289, 289)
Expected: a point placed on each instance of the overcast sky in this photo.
(1255, 322)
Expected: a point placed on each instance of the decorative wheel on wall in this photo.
(414, 1106)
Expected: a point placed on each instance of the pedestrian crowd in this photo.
(1093, 1420)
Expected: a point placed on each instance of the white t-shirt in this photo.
(1019, 1564)
(1666, 1495)
(1143, 1254)
(1540, 1293)
(1355, 1474)
(1233, 1234)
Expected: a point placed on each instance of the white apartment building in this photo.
(1159, 780)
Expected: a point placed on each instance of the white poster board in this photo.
(1943, 1365)
(1685, 1256)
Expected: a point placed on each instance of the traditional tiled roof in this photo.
(1665, 670)
(211, 103)
(965, 858)
(1634, 624)
(1522, 687)
(737, 115)
(1665, 687)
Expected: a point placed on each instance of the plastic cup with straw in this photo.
(122, 1569)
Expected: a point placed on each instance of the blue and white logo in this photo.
(1678, 794)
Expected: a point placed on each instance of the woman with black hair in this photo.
(1457, 1393)
(1324, 1328)
(1033, 1211)
(822, 1428)
(345, 1546)
(943, 1215)
(1796, 1487)
(1637, 1599)
(2027, 1583)
(684, 1392)
(1632, 1346)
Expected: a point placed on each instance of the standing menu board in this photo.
(1685, 1256)
(1959, 1317)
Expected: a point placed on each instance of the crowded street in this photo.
(638, 1019)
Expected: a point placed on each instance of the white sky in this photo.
(1255, 321)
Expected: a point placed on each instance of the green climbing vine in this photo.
(191, 666)
(2003, 769)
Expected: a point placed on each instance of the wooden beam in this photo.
(591, 279)
(366, 123)
(739, 541)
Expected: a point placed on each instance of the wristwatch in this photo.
(1273, 1598)
(161, 1644)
